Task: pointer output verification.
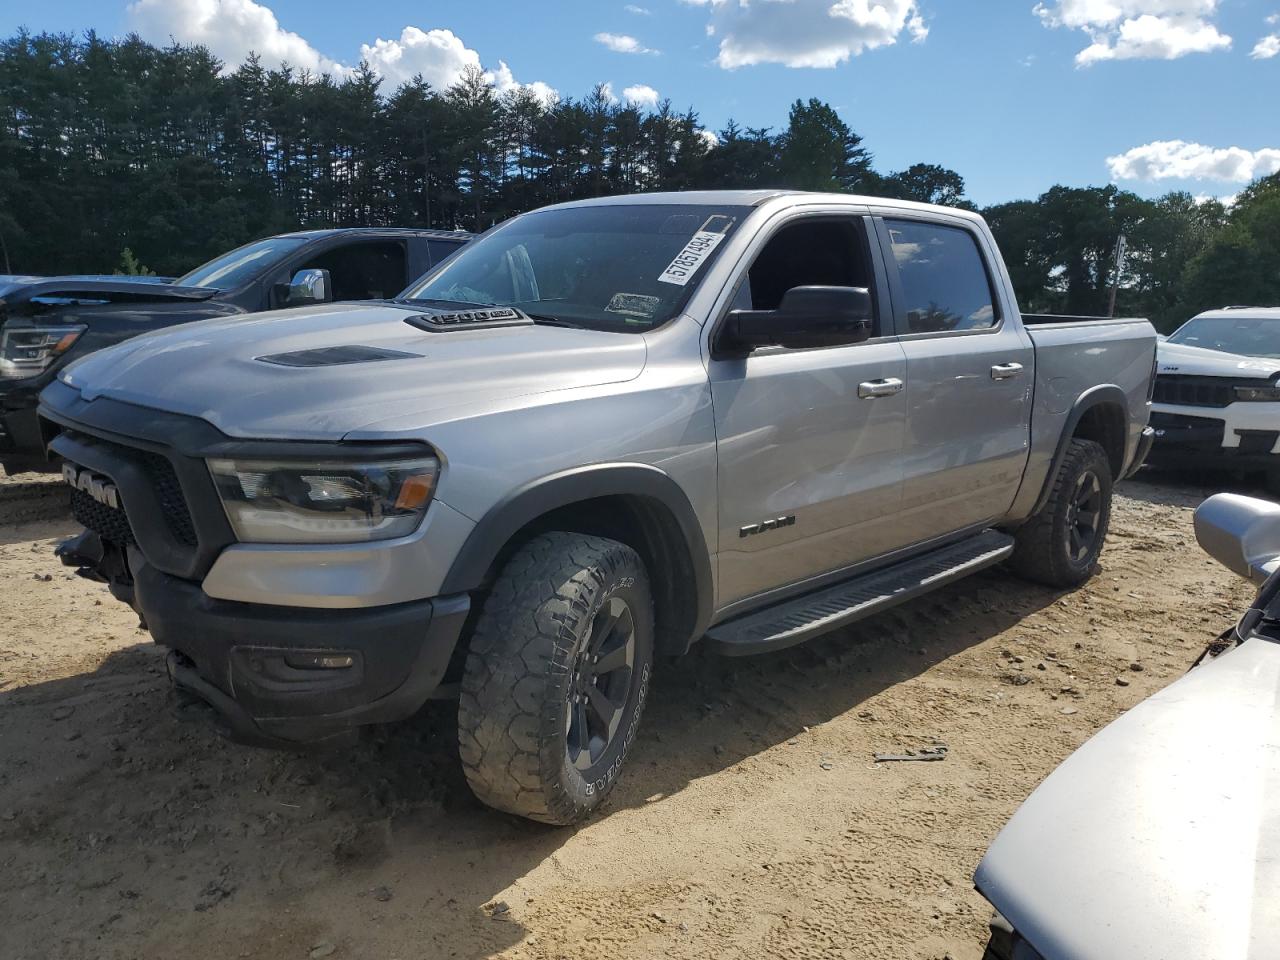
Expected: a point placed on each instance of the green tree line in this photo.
(108, 145)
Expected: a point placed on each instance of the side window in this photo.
(807, 253)
(363, 271)
(944, 281)
(440, 249)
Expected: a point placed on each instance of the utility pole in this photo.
(1116, 270)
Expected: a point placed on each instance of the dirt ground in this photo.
(751, 821)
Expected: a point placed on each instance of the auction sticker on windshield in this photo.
(703, 243)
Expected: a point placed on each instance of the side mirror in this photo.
(1241, 533)
(807, 317)
(310, 286)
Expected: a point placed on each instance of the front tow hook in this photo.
(84, 552)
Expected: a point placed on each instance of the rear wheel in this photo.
(1060, 545)
(556, 677)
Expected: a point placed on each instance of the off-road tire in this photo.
(1042, 550)
(521, 674)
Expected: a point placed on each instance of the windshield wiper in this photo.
(549, 321)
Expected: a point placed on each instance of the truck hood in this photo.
(1199, 361)
(1160, 837)
(215, 369)
(17, 291)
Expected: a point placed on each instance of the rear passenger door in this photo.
(969, 377)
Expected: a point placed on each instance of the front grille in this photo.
(107, 522)
(1198, 391)
(164, 481)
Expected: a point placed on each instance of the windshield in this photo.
(613, 267)
(240, 265)
(1243, 335)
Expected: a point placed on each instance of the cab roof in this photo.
(757, 198)
(380, 232)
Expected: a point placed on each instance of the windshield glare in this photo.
(240, 265)
(1246, 336)
(613, 267)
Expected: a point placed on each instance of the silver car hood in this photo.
(213, 369)
(1200, 361)
(1160, 837)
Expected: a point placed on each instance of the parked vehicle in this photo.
(1160, 836)
(1217, 399)
(604, 431)
(47, 322)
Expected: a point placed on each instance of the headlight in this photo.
(1258, 393)
(26, 351)
(271, 501)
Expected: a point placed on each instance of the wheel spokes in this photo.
(600, 684)
(607, 713)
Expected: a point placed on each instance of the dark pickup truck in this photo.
(46, 322)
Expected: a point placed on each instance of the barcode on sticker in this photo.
(681, 270)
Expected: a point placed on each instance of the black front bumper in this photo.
(21, 444)
(1186, 441)
(277, 675)
(284, 676)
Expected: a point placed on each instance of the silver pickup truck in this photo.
(603, 432)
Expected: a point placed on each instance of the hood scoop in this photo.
(336, 356)
(468, 319)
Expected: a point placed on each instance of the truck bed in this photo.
(1076, 356)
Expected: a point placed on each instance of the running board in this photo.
(795, 621)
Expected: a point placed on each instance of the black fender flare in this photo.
(1106, 394)
(539, 497)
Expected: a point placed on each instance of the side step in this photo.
(796, 620)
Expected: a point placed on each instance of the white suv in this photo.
(1217, 399)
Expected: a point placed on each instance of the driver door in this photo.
(809, 441)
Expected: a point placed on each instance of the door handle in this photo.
(870, 389)
(1004, 371)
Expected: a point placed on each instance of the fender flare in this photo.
(539, 497)
(1106, 394)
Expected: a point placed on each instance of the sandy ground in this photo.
(751, 821)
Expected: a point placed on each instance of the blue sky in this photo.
(1181, 94)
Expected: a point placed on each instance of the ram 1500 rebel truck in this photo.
(1217, 396)
(601, 433)
(48, 322)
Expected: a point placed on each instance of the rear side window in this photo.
(944, 279)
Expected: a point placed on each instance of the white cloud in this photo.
(709, 138)
(1180, 160)
(231, 29)
(807, 33)
(1137, 29)
(622, 43)
(439, 55)
(502, 81)
(1267, 47)
(1227, 200)
(638, 11)
(641, 95)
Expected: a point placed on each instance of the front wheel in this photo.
(556, 677)
(1060, 545)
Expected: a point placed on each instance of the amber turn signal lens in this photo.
(415, 492)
